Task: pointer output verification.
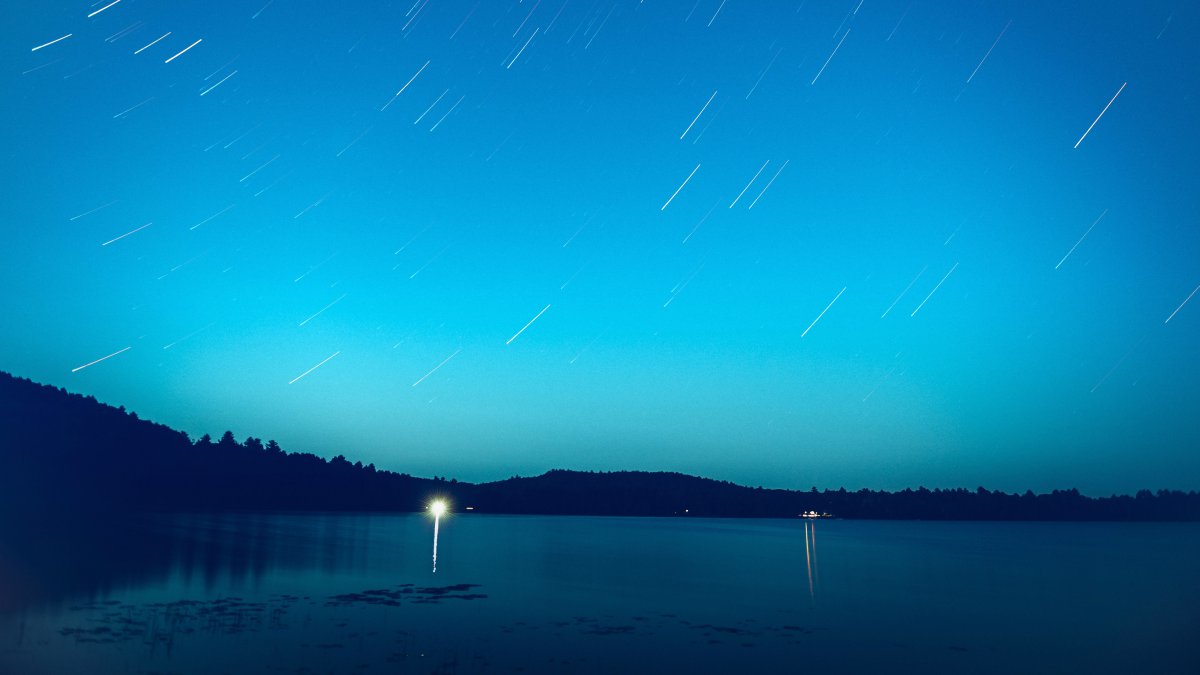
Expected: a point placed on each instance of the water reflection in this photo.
(194, 594)
(435, 536)
(49, 564)
(437, 508)
(810, 556)
(353, 593)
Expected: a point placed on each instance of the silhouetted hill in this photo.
(64, 454)
(631, 493)
(674, 494)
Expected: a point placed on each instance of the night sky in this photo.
(833, 243)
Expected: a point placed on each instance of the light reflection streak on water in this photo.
(816, 562)
(436, 520)
(810, 555)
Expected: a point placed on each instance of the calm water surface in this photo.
(358, 593)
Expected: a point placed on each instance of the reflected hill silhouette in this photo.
(92, 557)
(69, 458)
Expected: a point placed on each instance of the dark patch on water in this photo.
(158, 624)
(610, 630)
(392, 597)
(723, 629)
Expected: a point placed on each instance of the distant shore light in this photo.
(437, 507)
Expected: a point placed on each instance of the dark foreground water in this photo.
(358, 593)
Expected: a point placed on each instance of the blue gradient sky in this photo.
(545, 186)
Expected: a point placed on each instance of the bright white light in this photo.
(437, 508)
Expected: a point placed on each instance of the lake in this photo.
(358, 593)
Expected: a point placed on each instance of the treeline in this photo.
(674, 494)
(67, 455)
